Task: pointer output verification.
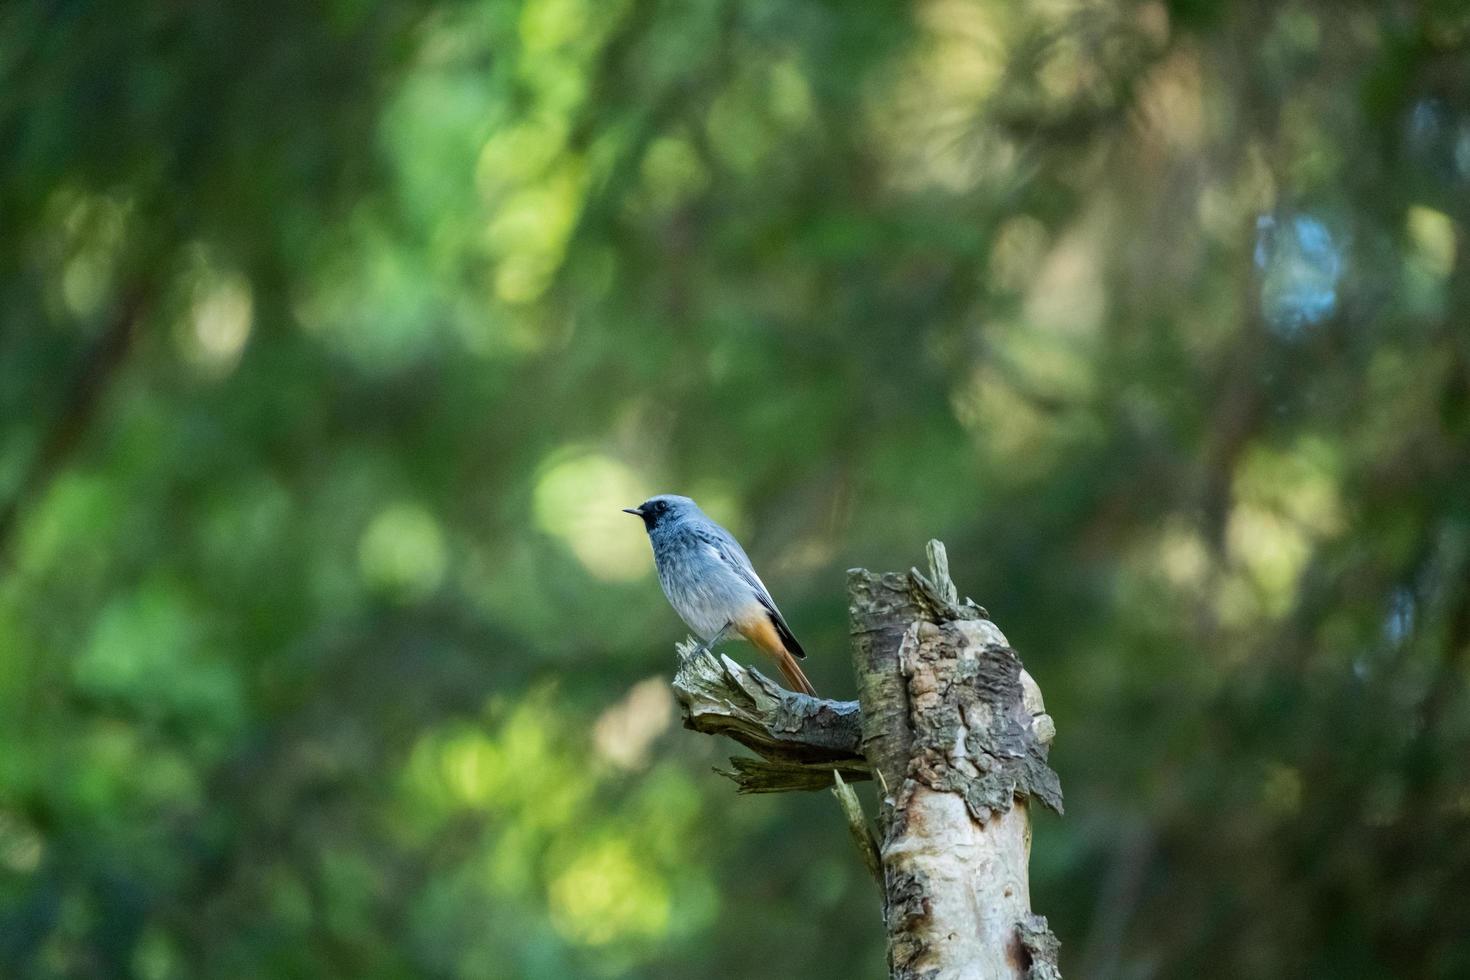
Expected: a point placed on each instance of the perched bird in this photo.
(712, 585)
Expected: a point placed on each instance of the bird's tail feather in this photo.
(762, 633)
(792, 672)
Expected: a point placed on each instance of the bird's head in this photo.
(663, 509)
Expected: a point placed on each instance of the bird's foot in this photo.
(709, 644)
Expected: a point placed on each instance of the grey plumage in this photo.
(710, 581)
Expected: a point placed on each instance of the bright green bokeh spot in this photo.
(606, 894)
(579, 499)
(402, 553)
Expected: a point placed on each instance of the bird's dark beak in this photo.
(636, 512)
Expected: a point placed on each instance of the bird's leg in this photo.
(705, 647)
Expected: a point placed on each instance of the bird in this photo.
(712, 585)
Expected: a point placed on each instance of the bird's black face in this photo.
(650, 510)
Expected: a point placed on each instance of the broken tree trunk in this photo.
(954, 730)
(800, 739)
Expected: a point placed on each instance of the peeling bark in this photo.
(959, 734)
(1041, 948)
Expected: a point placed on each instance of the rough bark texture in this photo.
(881, 608)
(800, 740)
(958, 733)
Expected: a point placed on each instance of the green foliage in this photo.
(333, 336)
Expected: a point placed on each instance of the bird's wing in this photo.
(728, 551)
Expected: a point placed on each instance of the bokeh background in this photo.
(333, 336)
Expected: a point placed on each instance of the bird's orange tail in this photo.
(761, 632)
(792, 672)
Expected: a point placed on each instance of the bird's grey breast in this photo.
(702, 587)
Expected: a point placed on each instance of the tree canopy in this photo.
(334, 336)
